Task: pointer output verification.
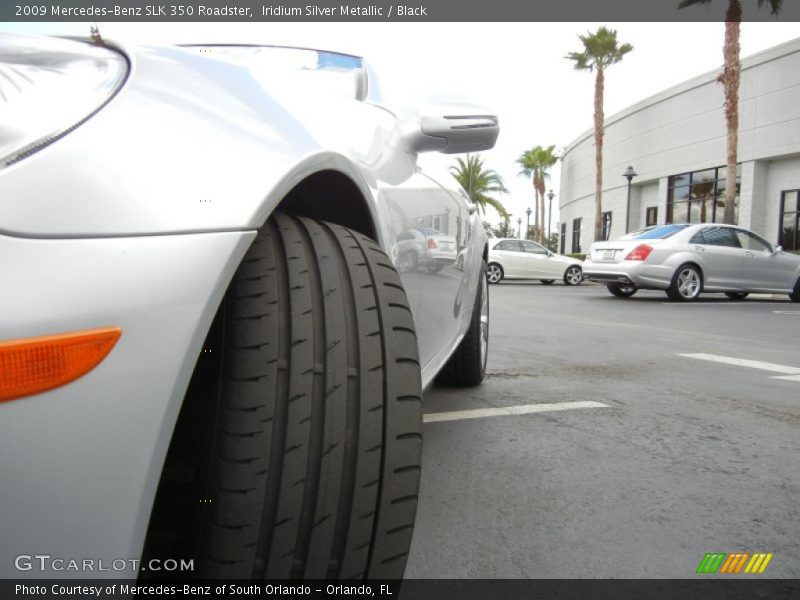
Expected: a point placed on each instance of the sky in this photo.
(516, 69)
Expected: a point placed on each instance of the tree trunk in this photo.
(599, 82)
(535, 236)
(544, 225)
(535, 204)
(730, 80)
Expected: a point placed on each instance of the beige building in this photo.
(676, 143)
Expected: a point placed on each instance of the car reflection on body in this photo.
(425, 247)
(524, 259)
(685, 260)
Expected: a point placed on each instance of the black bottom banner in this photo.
(412, 589)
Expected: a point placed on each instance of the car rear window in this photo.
(660, 233)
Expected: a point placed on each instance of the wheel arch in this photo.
(676, 261)
(325, 186)
(692, 263)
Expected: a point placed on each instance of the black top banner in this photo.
(381, 10)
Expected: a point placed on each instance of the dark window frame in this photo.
(606, 224)
(563, 241)
(576, 235)
(686, 180)
(795, 244)
(652, 211)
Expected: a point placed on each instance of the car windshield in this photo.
(341, 73)
(660, 233)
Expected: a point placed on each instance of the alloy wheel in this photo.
(494, 273)
(689, 283)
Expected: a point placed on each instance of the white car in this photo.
(524, 259)
(206, 352)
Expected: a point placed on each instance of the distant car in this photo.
(425, 247)
(685, 260)
(524, 259)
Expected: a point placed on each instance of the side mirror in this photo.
(778, 250)
(549, 253)
(452, 129)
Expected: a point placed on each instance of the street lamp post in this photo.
(519, 228)
(528, 224)
(550, 196)
(629, 174)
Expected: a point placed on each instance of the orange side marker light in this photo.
(33, 365)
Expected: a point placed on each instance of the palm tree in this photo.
(535, 164)
(479, 183)
(529, 167)
(600, 51)
(546, 159)
(729, 78)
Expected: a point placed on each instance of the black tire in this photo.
(795, 295)
(316, 443)
(676, 289)
(737, 295)
(467, 365)
(547, 281)
(573, 275)
(494, 273)
(435, 267)
(621, 291)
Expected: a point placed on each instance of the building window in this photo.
(576, 236)
(606, 225)
(563, 240)
(788, 234)
(651, 217)
(699, 197)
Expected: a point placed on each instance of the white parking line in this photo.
(788, 373)
(788, 377)
(717, 303)
(523, 409)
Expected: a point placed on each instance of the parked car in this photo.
(205, 349)
(524, 259)
(685, 260)
(425, 247)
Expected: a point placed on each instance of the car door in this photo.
(448, 293)
(763, 268)
(537, 261)
(506, 253)
(721, 255)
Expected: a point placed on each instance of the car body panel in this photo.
(81, 462)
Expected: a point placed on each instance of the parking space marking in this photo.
(523, 409)
(718, 303)
(787, 377)
(788, 373)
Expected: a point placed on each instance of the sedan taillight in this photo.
(641, 252)
(432, 244)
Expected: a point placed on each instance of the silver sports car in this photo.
(685, 260)
(207, 357)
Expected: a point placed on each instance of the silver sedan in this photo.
(685, 260)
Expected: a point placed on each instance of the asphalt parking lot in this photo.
(688, 455)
